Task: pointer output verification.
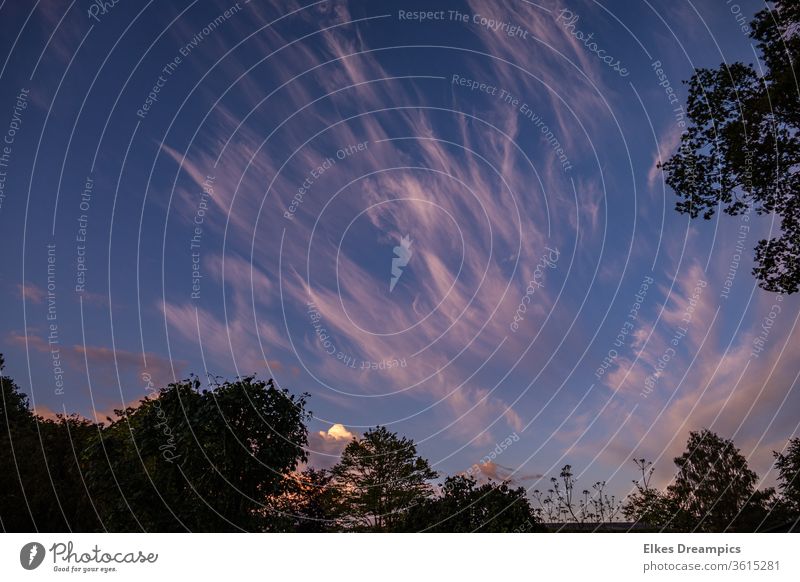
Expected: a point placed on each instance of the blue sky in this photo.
(253, 166)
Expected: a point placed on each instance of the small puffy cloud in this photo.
(336, 432)
(325, 447)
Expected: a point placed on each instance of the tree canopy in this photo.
(741, 150)
(232, 457)
(382, 478)
(40, 475)
(788, 465)
(713, 490)
(198, 460)
(713, 483)
(465, 507)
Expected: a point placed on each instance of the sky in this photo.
(446, 218)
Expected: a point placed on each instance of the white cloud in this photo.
(337, 432)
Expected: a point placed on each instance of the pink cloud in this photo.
(31, 292)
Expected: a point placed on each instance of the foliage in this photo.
(713, 483)
(381, 477)
(197, 460)
(648, 506)
(40, 479)
(714, 490)
(741, 150)
(465, 507)
(227, 459)
(788, 465)
(309, 504)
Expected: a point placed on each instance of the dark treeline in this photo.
(228, 458)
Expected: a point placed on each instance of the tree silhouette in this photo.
(465, 507)
(309, 504)
(227, 458)
(713, 484)
(741, 151)
(198, 460)
(41, 488)
(713, 491)
(788, 465)
(380, 478)
(648, 505)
